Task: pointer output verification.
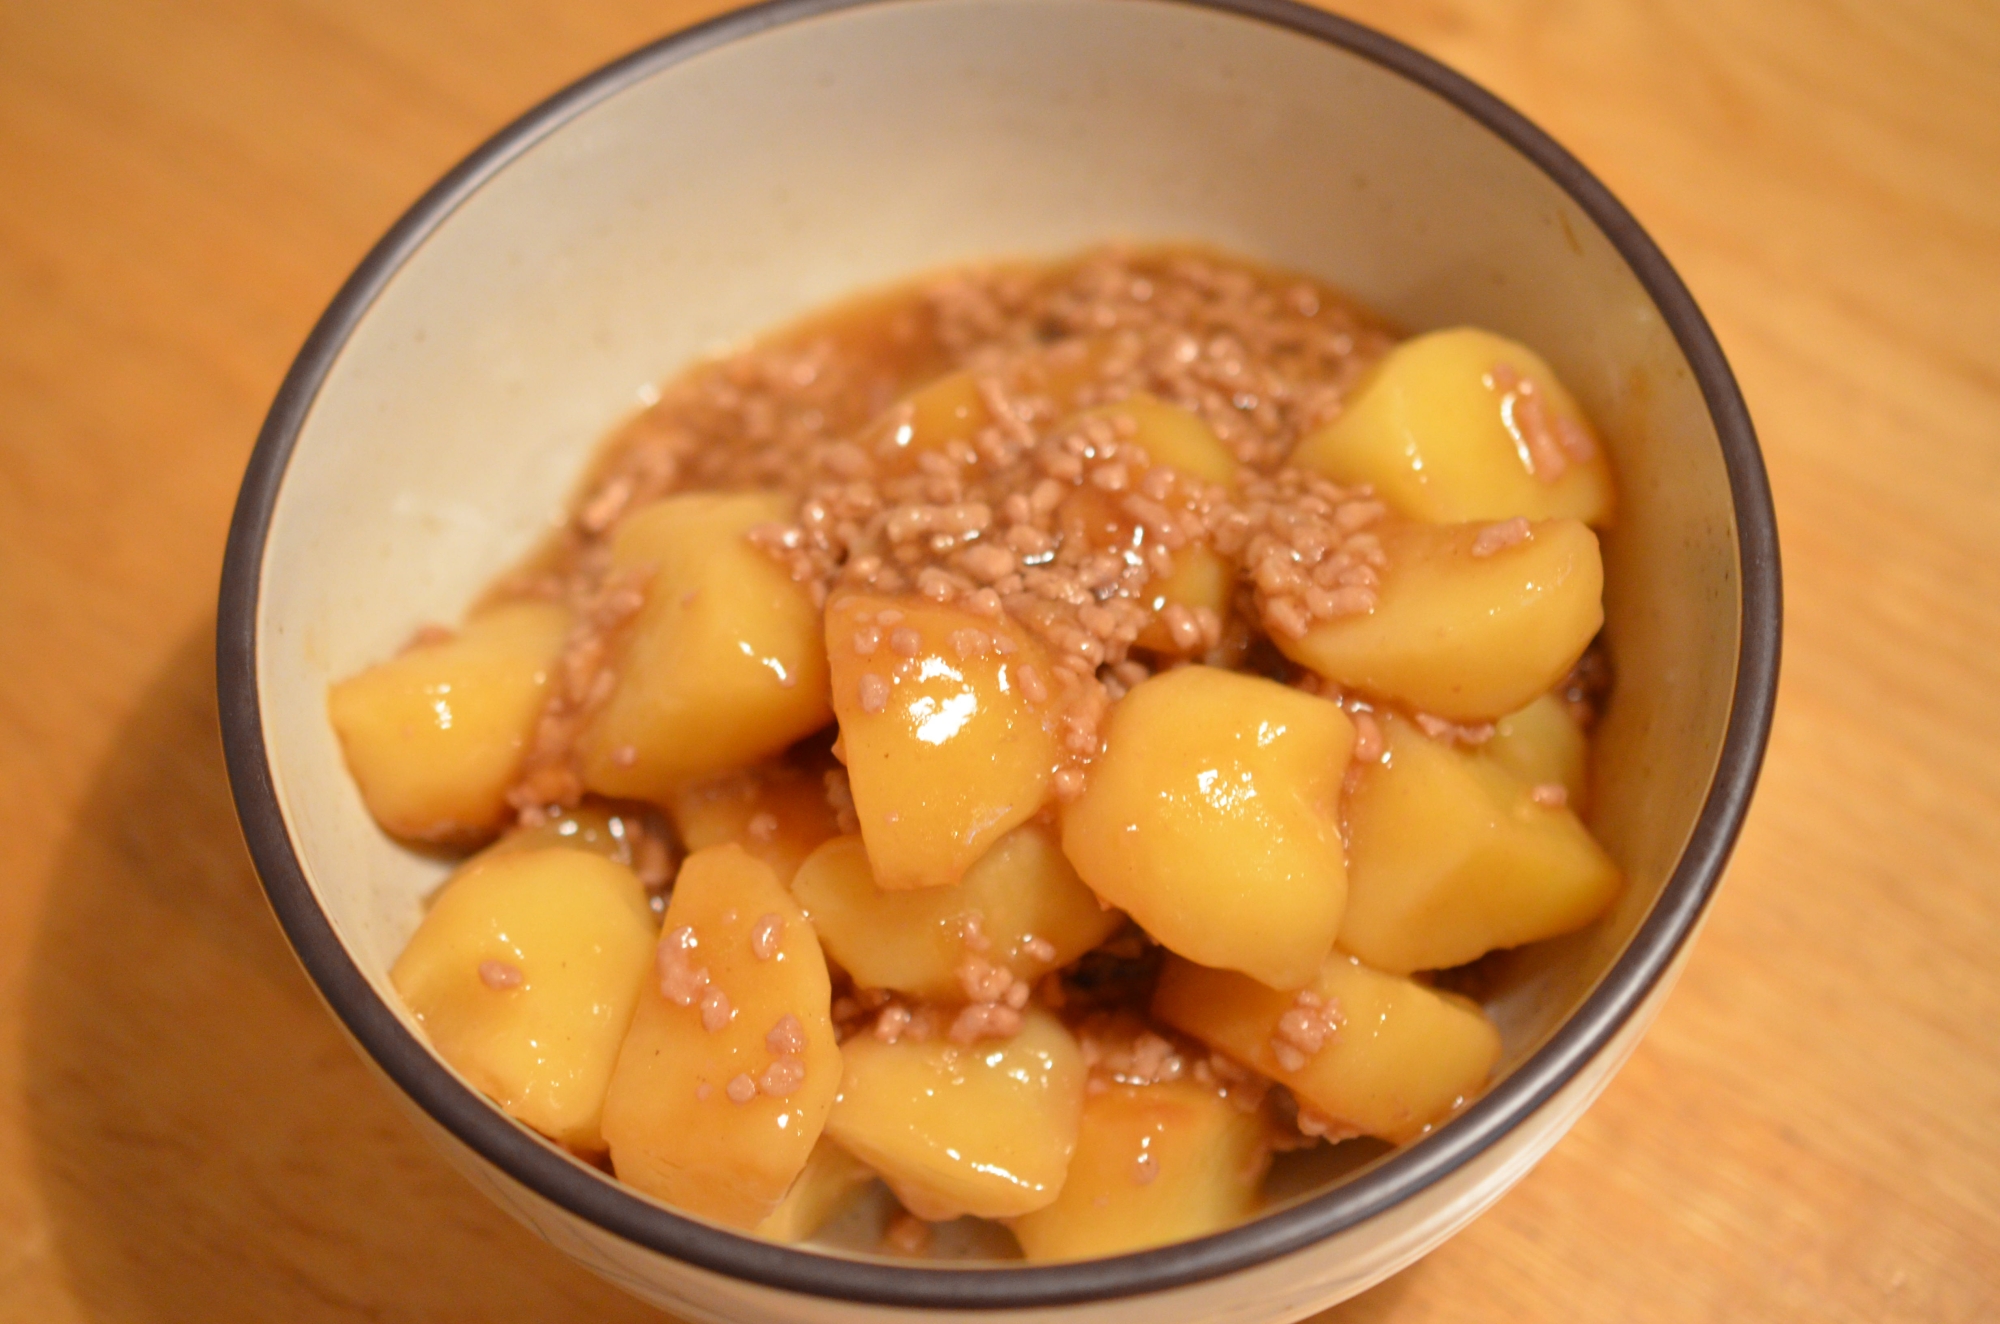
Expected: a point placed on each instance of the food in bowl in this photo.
(1044, 736)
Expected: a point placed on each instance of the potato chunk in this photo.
(613, 833)
(1211, 819)
(434, 737)
(954, 409)
(1172, 436)
(1542, 745)
(779, 814)
(984, 1128)
(726, 1076)
(1451, 856)
(1465, 425)
(524, 974)
(1200, 579)
(832, 1178)
(1032, 915)
(724, 664)
(1463, 630)
(1402, 1059)
(945, 722)
(938, 413)
(1154, 1164)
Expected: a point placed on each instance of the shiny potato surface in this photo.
(1452, 856)
(1461, 632)
(1401, 1059)
(1211, 818)
(524, 974)
(983, 1128)
(724, 664)
(1154, 1164)
(1021, 907)
(435, 736)
(725, 1079)
(945, 722)
(1464, 425)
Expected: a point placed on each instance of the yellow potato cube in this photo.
(589, 827)
(1465, 634)
(1200, 579)
(1174, 437)
(939, 413)
(524, 974)
(1465, 425)
(952, 408)
(435, 737)
(1154, 1164)
(984, 1128)
(778, 813)
(724, 664)
(1211, 818)
(1450, 857)
(1033, 915)
(726, 1076)
(1403, 1058)
(945, 721)
(832, 1178)
(1542, 745)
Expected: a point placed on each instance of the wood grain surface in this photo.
(1811, 1132)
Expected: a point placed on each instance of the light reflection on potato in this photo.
(524, 974)
(945, 723)
(435, 736)
(1460, 634)
(702, 1111)
(1404, 1059)
(1451, 856)
(984, 1128)
(724, 664)
(1211, 818)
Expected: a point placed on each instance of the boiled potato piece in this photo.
(939, 413)
(1465, 425)
(1174, 437)
(1461, 635)
(1211, 819)
(524, 974)
(1451, 856)
(946, 750)
(984, 1129)
(952, 408)
(1034, 915)
(1154, 1164)
(726, 1076)
(832, 1177)
(435, 737)
(1542, 745)
(610, 833)
(1402, 1060)
(779, 814)
(723, 666)
(1200, 578)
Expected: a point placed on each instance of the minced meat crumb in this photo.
(1055, 520)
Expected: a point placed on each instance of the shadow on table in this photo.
(208, 1146)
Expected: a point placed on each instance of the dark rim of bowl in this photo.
(594, 1197)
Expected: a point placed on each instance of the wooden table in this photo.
(1811, 1132)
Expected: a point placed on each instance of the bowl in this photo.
(738, 173)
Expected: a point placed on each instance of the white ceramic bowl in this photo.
(734, 175)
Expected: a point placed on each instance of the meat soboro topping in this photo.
(1001, 492)
(1054, 738)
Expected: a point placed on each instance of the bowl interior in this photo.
(682, 205)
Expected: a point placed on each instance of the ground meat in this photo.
(1058, 522)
